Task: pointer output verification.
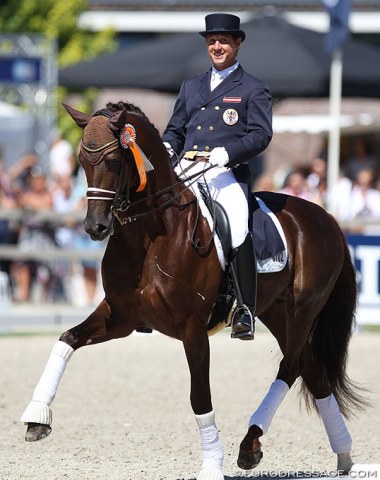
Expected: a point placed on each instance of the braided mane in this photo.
(98, 138)
(130, 107)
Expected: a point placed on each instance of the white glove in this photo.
(219, 157)
(169, 149)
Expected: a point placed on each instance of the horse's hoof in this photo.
(144, 330)
(249, 460)
(37, 431)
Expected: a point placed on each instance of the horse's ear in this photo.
(81, 119)
(118, 121)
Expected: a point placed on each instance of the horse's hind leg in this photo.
(328, 408)
(291, 335)
(250, 453)
(95, 329)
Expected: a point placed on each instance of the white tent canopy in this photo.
(316, 124)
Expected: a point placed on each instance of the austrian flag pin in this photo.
(232, 99)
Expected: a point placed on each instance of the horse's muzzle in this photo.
(98, 230)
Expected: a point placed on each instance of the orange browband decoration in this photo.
(128, 140)
(139, 164)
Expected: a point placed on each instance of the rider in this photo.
(225, 116)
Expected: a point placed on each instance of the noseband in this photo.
(94, 193)
(94, 156)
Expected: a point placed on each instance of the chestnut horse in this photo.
(156, 277)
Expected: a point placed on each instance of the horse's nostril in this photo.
(100, 228)
(97, 231)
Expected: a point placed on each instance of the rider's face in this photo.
(222, 50)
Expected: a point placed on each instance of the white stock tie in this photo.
(216, 78)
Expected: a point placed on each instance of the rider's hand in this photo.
(219, 157)
(169, 149)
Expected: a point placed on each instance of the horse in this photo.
(161, 271)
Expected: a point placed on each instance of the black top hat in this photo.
(223, 23)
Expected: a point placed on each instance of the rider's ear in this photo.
(81, 119)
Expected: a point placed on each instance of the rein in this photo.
(192, 178)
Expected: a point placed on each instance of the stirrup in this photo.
(245, 333)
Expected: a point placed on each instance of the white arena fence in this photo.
(55, 220)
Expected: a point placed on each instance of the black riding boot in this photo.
(244, 273)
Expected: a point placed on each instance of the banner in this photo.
(365, 251)
(339, 11)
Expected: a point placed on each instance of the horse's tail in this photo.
(330, 339)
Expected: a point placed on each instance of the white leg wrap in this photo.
(212, 448)
(340, 439)
(263, 416)
(38, 410)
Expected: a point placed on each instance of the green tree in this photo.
(58, 20)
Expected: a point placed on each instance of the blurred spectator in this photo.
(316, 181)
(89, 267)
(63, 204)
(74, 281)
(7, 203)
(264, 183)
(82, 240)
(295, 185)
(20, 172)
(279, 176)
(39, 230)
(357, 200)
(61, 159)
(35, 234)
(360, 158)
(5, 183)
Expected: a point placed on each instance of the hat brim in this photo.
(234, 33)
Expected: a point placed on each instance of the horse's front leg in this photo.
(198, 356)
(98, 327)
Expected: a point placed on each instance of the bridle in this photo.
(120, 197)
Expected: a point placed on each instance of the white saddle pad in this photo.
(268, 265)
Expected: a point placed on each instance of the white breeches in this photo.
(226, 190)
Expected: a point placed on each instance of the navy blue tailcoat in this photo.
(236, 115)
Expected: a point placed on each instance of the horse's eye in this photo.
(113, 164)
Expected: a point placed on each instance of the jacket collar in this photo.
(228, 83)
